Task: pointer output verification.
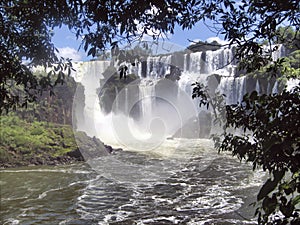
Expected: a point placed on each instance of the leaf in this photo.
(287, 209)
(122, 28)
(278, 175)
(86, 45)
(296, 200)
(269, 204)
(92, 51)
(266, 189)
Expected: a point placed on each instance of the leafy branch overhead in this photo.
(27, 30)
(255, 28)
(264, 131)
(268, 138)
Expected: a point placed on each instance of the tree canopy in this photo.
(254, 27)
(26, 31)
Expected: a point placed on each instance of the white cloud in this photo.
(217, 39)
(71, 53)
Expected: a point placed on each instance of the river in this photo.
(182, 182)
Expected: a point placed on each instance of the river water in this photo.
(182, 182)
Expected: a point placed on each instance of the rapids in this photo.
(183, 182)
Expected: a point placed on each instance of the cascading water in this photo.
(213, 68)
(275, 88)
(117, 107)
(154, 67)
(257, 87)
(147, 93)
(89, 75)
(181, 181)
(233, 89)
(126, 99)
(241, 89)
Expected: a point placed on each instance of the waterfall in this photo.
(226, 88)
(156, 67)
(242, 89)
(171, 103)
(195, 62)
(89, 75)
(279, 53)
(117, 107)
(233, 88)
(257, 87)
(126, 101)
(275, 88)
(146, 92)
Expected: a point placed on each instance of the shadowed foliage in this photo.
(26, 30)
(252, 26)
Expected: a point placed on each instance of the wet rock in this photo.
(91, 148)
(76, 154)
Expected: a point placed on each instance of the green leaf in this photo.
(269, 204)
(296, 200)
(266, 189)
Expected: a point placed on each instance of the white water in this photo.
(292, 83)
(275, 88)
(165, 107)
(183, 182)
(233, 88)
(179, 181)
(257, 88)
(89, 75)
(147, 93)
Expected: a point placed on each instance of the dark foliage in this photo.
(26, 32)
(271, 140)
(25, 42)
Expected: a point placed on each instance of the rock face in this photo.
(75, 154)
(55, 108)
(92, 148)
(196, 127)
(204, 46)
(114, 91)
(42, 134)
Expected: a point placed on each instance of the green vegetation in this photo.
(21, 142)
(41, 133)
(268, 137)
(26, 32)
(288, 37)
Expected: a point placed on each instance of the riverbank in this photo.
(42, 143)
(192, 185)
(17, 160)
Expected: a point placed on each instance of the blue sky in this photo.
(67, 44)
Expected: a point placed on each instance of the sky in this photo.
(68, 46)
